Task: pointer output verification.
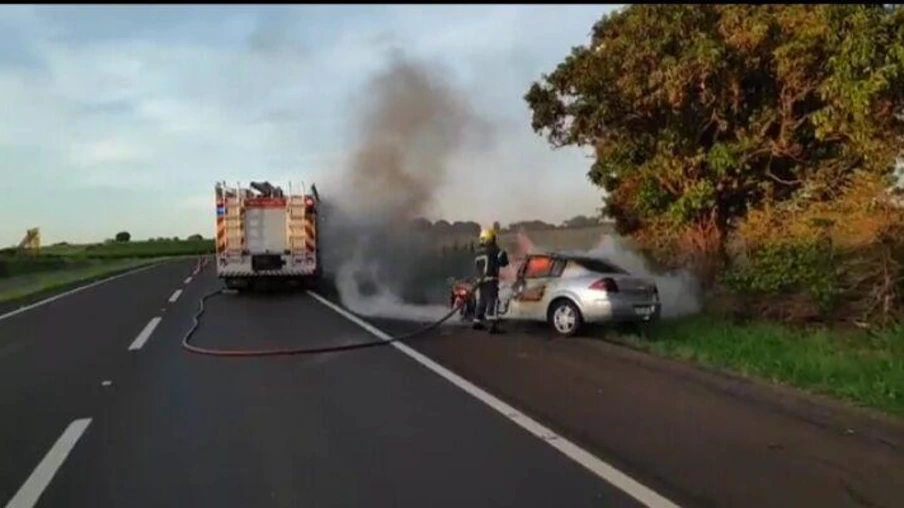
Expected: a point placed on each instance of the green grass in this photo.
(866, 370)
(146, 249)
(19, 286)
(69, 257)
(64, 264)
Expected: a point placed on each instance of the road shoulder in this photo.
(823, 411)
(696, 435)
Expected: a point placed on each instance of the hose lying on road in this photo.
(196, 323)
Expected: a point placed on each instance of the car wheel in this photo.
(565, 318)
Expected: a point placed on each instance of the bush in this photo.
(123, 236)
(841, 260)
(788, 269)
(12, 266)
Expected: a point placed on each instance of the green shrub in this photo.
(788, 267)
(23, 265)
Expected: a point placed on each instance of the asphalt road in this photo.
(701, 438)
(102, 408)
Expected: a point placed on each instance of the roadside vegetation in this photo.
(866, 369)
(24, 273)
(759, 146)
(580, 232)
(19, 286)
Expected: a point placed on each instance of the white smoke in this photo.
(679, 291)
(382, 302)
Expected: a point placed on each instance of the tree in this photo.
(421, 224)
(581, 221)
(469, 228)
(531, 225)
(195, 238)
(442, 227)
(497, 226)
(697, 113)
(123, 236)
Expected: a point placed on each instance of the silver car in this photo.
(568, 291)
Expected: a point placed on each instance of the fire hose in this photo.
(196, 323)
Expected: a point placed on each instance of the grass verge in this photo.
(133, 250)
(20, 286)
(867, 370)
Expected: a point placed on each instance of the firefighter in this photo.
(488, 260)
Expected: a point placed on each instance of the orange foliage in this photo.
(863, 227)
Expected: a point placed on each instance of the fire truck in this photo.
(264, 233)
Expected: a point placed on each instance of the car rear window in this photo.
(597, 265)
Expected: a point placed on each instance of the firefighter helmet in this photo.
(487, 235)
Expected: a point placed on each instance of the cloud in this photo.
(139, 109)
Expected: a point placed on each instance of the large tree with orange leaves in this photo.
(699, 112)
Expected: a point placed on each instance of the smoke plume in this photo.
(411, 126)
(679, 291)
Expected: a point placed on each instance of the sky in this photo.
(123, 117)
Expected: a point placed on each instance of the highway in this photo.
(103, 408)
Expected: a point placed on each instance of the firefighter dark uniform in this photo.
(489, 259)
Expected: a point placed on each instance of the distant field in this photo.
(24, 284)
(64, 264)
(123, 250)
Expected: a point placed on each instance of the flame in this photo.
(523, 246)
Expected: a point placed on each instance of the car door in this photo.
(530, 287)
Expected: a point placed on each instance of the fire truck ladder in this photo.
(232, 230)
(296, 230)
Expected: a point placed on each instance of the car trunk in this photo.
(633, 286)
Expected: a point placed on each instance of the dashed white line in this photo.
(34, 486)
(175, 296)
(589, 461)
(76, 290)
(145, 334)
(188, 280)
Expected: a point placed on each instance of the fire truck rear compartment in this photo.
(267, 262)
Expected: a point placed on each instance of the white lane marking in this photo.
(76, 290)
(145, 334)
(188, 280)
(34, 486)
(596, 466)
(175, 296)
(106, 382)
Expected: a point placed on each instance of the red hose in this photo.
(295, 351)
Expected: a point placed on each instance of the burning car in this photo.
(568, 291)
